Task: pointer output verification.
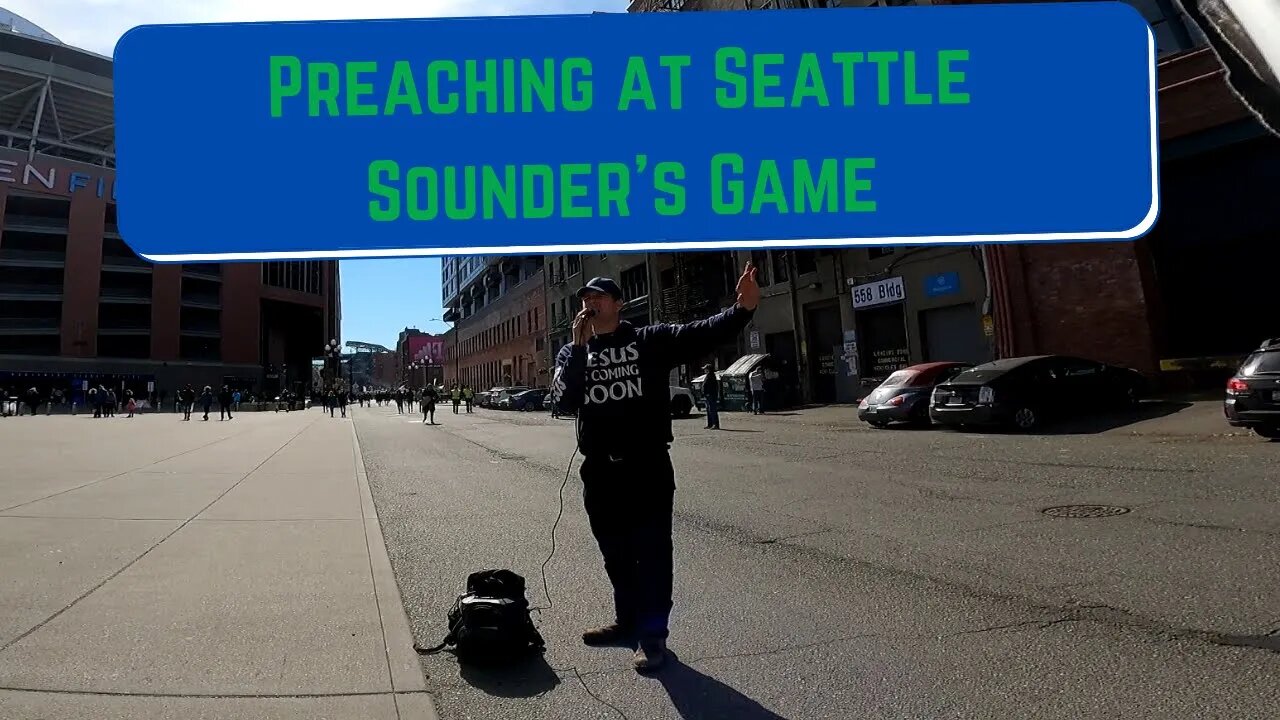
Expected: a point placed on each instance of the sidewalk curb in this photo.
(402, 660)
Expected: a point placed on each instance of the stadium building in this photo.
(77, 306)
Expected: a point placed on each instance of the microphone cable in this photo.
(577, 425)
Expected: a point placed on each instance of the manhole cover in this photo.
(1085, 511)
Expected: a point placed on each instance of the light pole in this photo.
(334, 351)
(457, 348)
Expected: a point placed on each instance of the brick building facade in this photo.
(1173, 304)
(503, 342)
(79, 304)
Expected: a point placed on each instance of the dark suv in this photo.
(1253, 393)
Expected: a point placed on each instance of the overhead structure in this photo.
(55, 99)
(367, 347)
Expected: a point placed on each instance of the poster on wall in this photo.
(851, 357)
(886, 362)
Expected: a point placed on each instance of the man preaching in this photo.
(615, 375)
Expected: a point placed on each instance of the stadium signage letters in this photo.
(47, 177)
(594, 132)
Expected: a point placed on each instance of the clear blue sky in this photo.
(382, 297)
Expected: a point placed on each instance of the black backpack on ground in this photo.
(490, 623)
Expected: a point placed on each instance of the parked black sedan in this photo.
(904, 395)
(1026, 392)
(1253, 393)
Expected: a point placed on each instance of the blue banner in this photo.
(636, 132)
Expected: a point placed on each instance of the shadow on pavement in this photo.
(1090, 424)
(700, 697)
(525, 679)
(1113, 420)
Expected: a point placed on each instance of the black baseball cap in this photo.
(603, 285)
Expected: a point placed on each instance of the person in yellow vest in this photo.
(456, 394)
(469, 395)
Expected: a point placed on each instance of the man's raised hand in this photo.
(748, 290)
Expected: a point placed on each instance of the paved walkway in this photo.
(155, 568)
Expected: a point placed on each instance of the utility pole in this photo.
(802, 351)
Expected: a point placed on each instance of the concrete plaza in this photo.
(156, 568)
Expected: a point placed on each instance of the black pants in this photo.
(629, 503)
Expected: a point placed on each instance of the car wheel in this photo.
(920, 415)
(1025, 418)
(681, 407)
(1270, 432)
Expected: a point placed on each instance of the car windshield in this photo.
(1262, 363)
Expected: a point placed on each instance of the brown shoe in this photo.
(651, 655)
(608, 635)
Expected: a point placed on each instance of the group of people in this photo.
(336, 400)
(227, 399)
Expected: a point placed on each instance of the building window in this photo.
(302, 276)
(806, 261)
(779, 265)
(574, 265)
(635, 281)
(760, 259)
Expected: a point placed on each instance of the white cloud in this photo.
(95, 25)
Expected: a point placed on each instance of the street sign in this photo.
(881, 292)
(755, 339)
(940, 284)
(637, 132)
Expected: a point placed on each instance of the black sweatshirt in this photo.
(620, 382)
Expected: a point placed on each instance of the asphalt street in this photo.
(827, 570)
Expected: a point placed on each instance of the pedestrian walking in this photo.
(756, 381)
(457, 397)
(187, 400)
(429, 397)
(206, 400)
(468, 396)
(32, 401)
(225, 399)
(628, 481)
(711, 394)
